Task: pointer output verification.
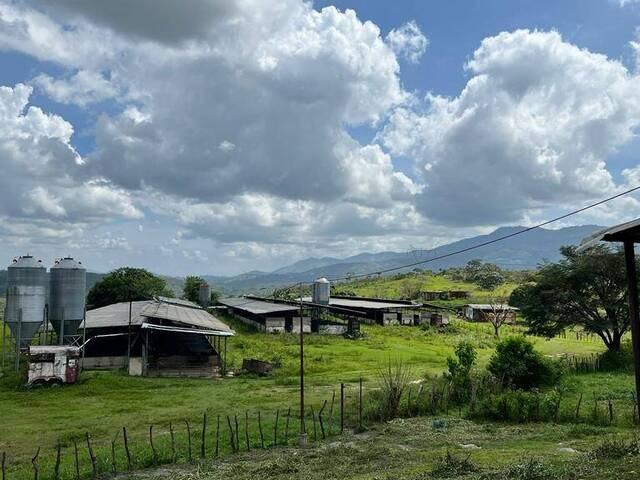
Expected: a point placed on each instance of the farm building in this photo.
(477, 312)
(375, 310)
(267, 316)
(160, 337)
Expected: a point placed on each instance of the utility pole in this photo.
(303, 433)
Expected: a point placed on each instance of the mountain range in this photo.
(520, 252)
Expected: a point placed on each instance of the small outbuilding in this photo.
(479, 312)
(159, 337)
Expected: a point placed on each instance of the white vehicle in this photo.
(53, 365)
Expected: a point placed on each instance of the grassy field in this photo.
(399, 286)
(405, 449)
(103, 402)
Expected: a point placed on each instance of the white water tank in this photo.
(321, 291)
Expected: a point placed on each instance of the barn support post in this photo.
(4, 333)
(634, 317)
(303, 433)
(129, 337)
(18, 338)
(224, 367)
(61, 339)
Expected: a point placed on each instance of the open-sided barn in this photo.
(160, 337)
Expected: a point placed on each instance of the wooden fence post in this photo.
(578, 407)
(341, 408)
(246, 430)
(34, 462)
(114, 465)
(203, 444)
(218, 436)
(315, 430)
(189, 439)
(126, 448)
(275, 428)
(610, 411)
(56, 470)
(260, 429)
(235, 419)
(94, 462)
(4, 465)
(77, 459)
(231, 435)
(333, 399)
(320, 419)
(286, 427)
(154, 454)
(360, 406)
(174, 453)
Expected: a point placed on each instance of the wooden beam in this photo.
(634, 317)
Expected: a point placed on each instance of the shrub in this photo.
(612, 361)
(394, 380)
(459, 371)
(531, 469)
(615, 448)
(518, 365)
(453, 466)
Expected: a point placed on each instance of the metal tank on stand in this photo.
(67, 293)
(204, 295)
(26, 299)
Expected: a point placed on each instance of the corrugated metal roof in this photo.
(179, 301)
(630, 230)
(365, 303)
(257, 307)
(116, 315)
(486, 306)
(185, 315)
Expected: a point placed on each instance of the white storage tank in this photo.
(26, 298)
(321, 291)
(67, 293)
(204, 295)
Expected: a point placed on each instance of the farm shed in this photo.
(375, 310)
(267, 316)
(478, 312)
(160, 337)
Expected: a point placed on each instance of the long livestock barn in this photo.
(160, 337)
(267, 316)
(375, 310)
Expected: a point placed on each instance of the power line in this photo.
(474, 247)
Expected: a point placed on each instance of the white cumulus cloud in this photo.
(408, 41)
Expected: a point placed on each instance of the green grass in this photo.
(414, 449)
(103, 402)
(398, 286)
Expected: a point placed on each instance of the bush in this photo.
(612, 361)
(394, 380)
(459, 373)
(518, 365)
(615, 448)
(452, 466)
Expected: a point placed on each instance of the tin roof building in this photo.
(159, 337)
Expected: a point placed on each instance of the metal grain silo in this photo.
(26, 298)
(67, 291)
(320, 291)
(204, 294)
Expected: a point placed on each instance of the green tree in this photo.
(191, 289)
(517, 364)
(486, 275)
(459, 370)
(584, 289)
(127, 284)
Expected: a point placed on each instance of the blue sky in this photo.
(246, 136)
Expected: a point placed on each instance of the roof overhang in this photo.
(628, 231)
(197, 331)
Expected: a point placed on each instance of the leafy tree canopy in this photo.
(127, 284)
(191, 289)
(584, 289)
